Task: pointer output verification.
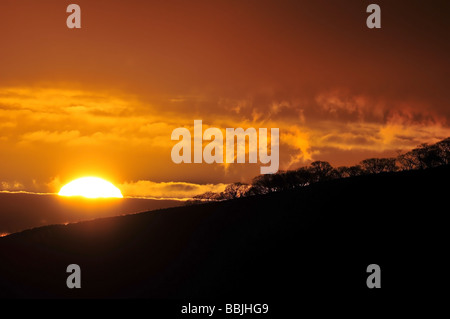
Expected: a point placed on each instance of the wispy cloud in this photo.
(11, 186)
(46, 132)
(177, 190)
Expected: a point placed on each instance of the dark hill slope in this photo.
(311, 241)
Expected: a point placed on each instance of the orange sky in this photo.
(103, 100)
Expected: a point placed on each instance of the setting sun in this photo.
(90, 187)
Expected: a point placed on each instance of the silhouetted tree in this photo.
(262, 184)
(378, 165)
(321, 171)
(235, 190)
(289, 180)
(426, 156)
(208, 196)
(423, 156)
(444, 151)
(342, 171)
(355, 170)
(303, 176)
(407, 161)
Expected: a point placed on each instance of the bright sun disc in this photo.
(90, 187)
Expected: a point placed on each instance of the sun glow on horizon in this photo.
(90, 187)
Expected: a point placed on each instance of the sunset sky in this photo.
(103, 100)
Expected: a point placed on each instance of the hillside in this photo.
(313, 241)
(15, 214)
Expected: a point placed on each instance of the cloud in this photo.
(54, 185)
(149, 189)
(11, 186)
(46, 132)
(50, 137)
(178, 190)
(338, 103)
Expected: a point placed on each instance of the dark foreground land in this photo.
(315, 242)
(49, 209)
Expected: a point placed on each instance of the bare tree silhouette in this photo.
(379, 165)
(422, 157)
